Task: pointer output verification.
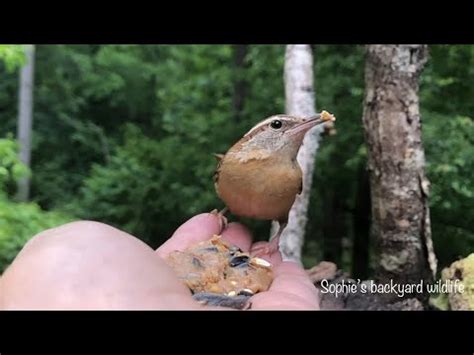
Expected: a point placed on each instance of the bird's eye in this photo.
(276, 124)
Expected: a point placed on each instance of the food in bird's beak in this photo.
(326, 116)
(323, 118)
(220, 274)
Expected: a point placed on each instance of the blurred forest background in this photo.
(124, 134)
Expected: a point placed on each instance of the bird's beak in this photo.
(307, 124)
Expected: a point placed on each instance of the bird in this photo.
(259, 176)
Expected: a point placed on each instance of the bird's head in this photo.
(280, 134)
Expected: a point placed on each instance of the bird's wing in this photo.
(219, 163)
(218, 156)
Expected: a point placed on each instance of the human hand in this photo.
(291, 287)
(90, 265)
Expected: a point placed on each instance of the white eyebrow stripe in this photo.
(263, 123)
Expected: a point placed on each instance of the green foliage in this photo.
(446, 83)
(162, 173)
(83, 96)
(12, 55)
(133, 190)
(450, 165)
(264, 73)
(447, 109)
(451, 160)
(11, 168)
(18, 223)
(342, 94)
(124, 134)
(339, 83)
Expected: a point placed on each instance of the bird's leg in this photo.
(274, 243)
(222, 219)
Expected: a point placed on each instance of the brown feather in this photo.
(253, 189)
(220, 158)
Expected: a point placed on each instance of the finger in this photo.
(291, 278)
(199, 228)
(290, 289)
(274, 258)
(238, 235)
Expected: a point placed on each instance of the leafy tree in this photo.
(18, 221)
(12, 56)
(447, 112)
(125, 134)
(164, 175)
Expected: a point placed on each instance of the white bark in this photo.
(25, 118)
(300, 101)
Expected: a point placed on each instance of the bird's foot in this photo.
(222, 219)
(267, 249)
(273, 246)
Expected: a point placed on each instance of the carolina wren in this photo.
(259, 176)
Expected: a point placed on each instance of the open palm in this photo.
(91, 265)
(291, 287)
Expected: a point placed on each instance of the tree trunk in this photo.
(240, 85)
(25, 118)
(399, 187)
(333, 226)
(300, 101)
